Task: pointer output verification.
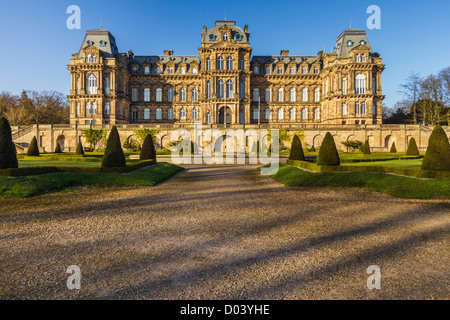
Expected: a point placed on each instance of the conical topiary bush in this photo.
(328, 154)
(113, 156)
(412, 148)
(437, 156)
(296, 150)
(366, 148)
(8, 158)
(79, 149)
(148, 149)
(58, 148)
(33, 150)
(393, 149)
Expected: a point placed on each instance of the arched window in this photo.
(292, 114)
(229, 63)
(220, 89)
(146, 94)
(107, 109)
(255, 114)
(316, 114)
(268, 114)
(316, 94)
(292, 95)
(230, 89)
(357, 59)
(208, 64)
(147, 70)
(158, 70)
(344, 109)
(194, 114)
(194, 95)
(280, 95)
(268, 70)
(304, 70)
(134, 114)
(208, 89)
(280, 70)
(360, 84)
(357, 111)
(158, 94)
(304, 114)
(94, 58)
(170, 114)
(256, 70)
(134, 70)
(241, 90)
(220, 63)
(183, 95)
(170, 95)
(159, 114)
(268, 95)
(241, 64)
(208, 118)
(194, 70)
(280, 114)
(363, 107)
(292, 70)
(91, 87)
(363, 58)
(182, 114)
(256, 94)
(88, 58)
(182, 70)
(316, 69)
(134, 94)
(225, 37)
(146, 114)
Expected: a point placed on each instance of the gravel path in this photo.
(223, 232)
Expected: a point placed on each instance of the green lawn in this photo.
(34, 185)
(398, 186)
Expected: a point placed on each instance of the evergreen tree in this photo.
(113, 156)
(58, 148)
(393, 149)
(8, 158)
(412, 148)
(328, 154)
(296, 150)
(437, 156)
(366, 148)
(80, 149)
(148, 149)
(33, 149)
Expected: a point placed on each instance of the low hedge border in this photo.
(31, 171)
(417, 173)
(64, 158)
(379, 159)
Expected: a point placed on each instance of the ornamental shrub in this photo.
(296, 150)
(412, 148)
(33, 150)
(366, 148)
(328, 154)
(8, 158)
(58, 148)
(437, 156)
(80, 149)
(393, 149)
(148, 149)
(113, 156)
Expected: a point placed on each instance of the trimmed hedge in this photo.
(30, 171)
(386, 169)
(148, 149)
(8, 157)
(328, 154)
(58, 148)
(393, 148)
(437, 156)
(296, 152)
(412, 148)
(366, 148)
(80, 149)
(33, 150)
(113, 156)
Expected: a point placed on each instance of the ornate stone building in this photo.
(225, 83)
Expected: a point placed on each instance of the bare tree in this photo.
(411, 91)
(432, 89)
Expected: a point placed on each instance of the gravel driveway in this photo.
(223, 232)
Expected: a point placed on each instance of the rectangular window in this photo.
(170, 95)
(159, 95)
(88, 108)
(107, 109)
(241, 90)
(134, 95)
(78, 109)
(107, 85)
(94, 107)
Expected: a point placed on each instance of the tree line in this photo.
(426, 100)
(34, 107)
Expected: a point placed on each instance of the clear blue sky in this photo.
(36, 45)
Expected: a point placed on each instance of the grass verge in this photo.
(34, 185)
(397, 186)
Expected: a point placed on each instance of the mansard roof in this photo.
(103, 40)
(350, 39)
(166, 59)
(216, 32)
(286, 59)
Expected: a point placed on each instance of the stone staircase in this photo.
(22, 132)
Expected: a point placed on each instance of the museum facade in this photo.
(225, 84)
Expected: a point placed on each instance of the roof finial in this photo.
(350, 23)
(225, 13)
(101, 22)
